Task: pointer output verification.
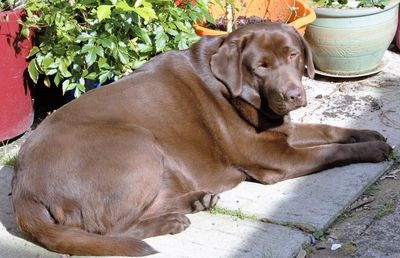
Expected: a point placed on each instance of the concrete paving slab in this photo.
(315, 200)
(224, 236)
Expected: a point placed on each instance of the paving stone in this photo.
(314, 200)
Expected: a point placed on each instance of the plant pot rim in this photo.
(15, 13)
(355, 12)
(299, 24)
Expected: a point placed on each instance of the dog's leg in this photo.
(170, 223)
(301, 135)
(289, 162)
(166, 215)
(187, 203)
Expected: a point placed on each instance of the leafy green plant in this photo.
(6, 5)
(351, 4)
(99, 40)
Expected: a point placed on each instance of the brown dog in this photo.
(127, 161)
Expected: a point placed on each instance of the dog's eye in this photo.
(293, 55)
(264, 65)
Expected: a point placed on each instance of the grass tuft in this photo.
(6, 158)
(388, 208)
(238, 213)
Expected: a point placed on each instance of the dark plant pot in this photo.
(16, 111)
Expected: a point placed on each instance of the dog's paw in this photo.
(174, 223)
(366, 136)
(206, 202)
(379, 151)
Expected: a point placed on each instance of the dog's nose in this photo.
(295, 96)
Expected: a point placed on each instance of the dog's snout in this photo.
(296, 97)
(293, 94)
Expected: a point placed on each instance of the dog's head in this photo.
(263, 64)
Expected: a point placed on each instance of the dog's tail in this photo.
(34, 219)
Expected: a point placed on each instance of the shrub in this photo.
(100, 40)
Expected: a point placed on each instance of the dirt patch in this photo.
(345, 105)
(367, 228)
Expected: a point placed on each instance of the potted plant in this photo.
(16, 112)
(82, 42)
(349, 38)
(295, 12)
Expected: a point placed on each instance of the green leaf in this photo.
(181, 26)
(90, 57)
(103, 12)
(66, 86)
(143, 48)
(123, 57)
(182, 44)
(172, 32)
(122, 5)
(57, 79)
(91, 76)
(83, 37)
(52, 71)
(87, 48)
(103, 64)
(47, 62)
(33, 51)
(138, 64)
(161, 42)
(144, 35)
(77, 93)
(103, 77)
(25, 31)
(99, 51)
(147, 13)
(138, 3)
(64, 70)
(33, 72)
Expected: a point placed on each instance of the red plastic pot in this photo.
(16, 111)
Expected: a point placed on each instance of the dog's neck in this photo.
(262, 118)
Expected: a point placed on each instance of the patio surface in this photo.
(279, 217)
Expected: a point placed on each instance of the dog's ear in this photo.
(226, 64)
(251, 96)
(309, 58)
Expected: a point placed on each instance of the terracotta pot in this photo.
(16, 112)
(294, 12)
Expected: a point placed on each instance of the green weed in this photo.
(387, 208)
(238, 213)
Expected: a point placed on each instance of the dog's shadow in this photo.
(7, 217)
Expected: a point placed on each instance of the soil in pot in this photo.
(221, 23)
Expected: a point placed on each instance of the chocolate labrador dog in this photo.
(127, 161)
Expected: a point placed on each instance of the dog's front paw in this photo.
(366, 136)
(207, 202)
(379, 151)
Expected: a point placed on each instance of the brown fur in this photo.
(127, 161)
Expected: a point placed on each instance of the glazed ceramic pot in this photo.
(351, 41)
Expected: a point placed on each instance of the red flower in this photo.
(184, 3)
